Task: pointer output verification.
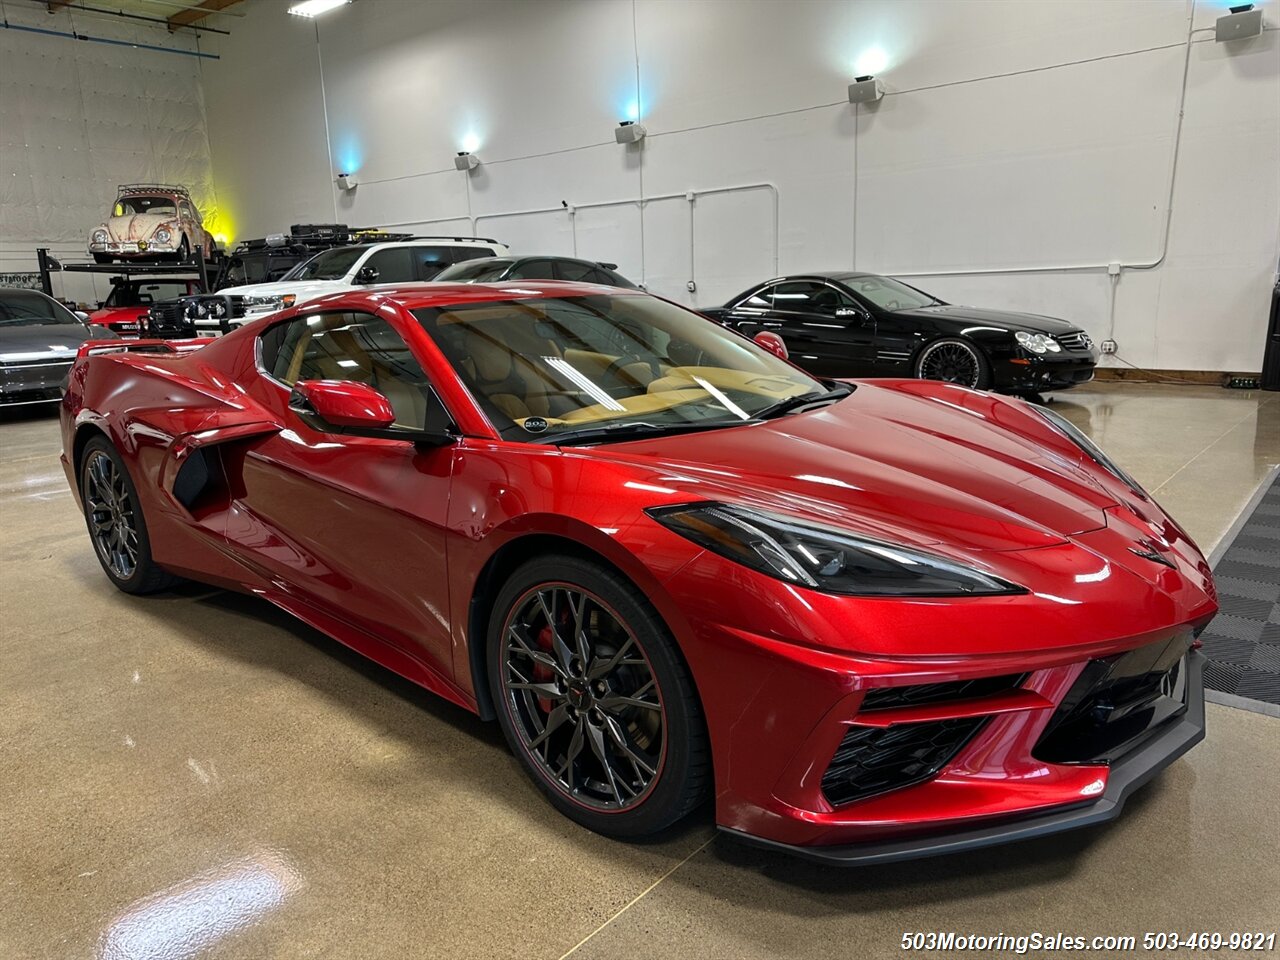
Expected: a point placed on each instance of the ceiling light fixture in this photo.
(314, 8)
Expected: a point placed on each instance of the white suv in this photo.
(348, 268)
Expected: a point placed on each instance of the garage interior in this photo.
(197, 774)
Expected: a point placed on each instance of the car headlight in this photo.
(99, 236)
(1072, 433)
(269, 303)
(823, 559)
(161, 235)
(1037, 342)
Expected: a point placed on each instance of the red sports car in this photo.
(875, 619)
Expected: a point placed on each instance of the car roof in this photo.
(413, 296)
(824, 275)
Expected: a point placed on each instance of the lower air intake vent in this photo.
(873, 760)
(881, 698)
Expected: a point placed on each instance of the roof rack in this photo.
(145, 187)
(476, 239)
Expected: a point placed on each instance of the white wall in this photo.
(79, 117)
(1021, 146)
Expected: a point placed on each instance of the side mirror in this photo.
(342, 404)
(82, 316)
(848, 312)
(773, 343)
(358, 410)
(367, 275)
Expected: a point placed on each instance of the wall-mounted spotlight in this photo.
(1241, 23)
(629, 131)
(313, 8)
(348, 181)
(466, 161)
(865, 90)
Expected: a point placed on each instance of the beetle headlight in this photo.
(1037, 342)
(162, 235)
(1072, 433)
(824, 559)
(99, 236)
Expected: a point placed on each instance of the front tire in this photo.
(953, 360)
(594, 698)
(117, 528)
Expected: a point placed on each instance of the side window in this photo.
(534, 270)
(470, 253)
(429, 261)
(394, 265)
(808, 296)
(185, 211)
(350, 346)
(762, 299)
(572, 270)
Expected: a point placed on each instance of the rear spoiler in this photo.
(94, 348)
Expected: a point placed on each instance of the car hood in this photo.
(137, 226)
(1002, 319)
(34, 341)
(119, 314)
(911, 462)
(302, 289)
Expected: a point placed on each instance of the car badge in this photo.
(1147, 551)
(535, 424)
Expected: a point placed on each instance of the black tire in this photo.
(679, 780)
(954, 360)
(184, 251)
(101, 460)
(102, 258)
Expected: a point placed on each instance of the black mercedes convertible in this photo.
(845, 324)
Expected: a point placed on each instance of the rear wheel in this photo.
(594, 698)
(116, 525)
(954, 361)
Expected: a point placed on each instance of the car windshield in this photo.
(142, 293)
(476, 271)
(26, 308)
(330, 265)
(889, 294)
(544, 369)
(132, 206)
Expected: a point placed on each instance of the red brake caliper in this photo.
(542, 673)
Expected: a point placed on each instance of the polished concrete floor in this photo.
(197, 775)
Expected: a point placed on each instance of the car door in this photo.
(826, 332)
(351, 526)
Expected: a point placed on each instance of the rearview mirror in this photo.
(773, 343)
(358, 410)
(367, 275)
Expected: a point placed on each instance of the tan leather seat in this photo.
(511, 382)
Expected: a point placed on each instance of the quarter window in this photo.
(534, 270)
(350, 346)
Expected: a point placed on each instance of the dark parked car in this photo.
(38, 342)
(844, 324)
(493, 269)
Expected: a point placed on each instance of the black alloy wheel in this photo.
(594, 698)
(116, 525)
(954, 361)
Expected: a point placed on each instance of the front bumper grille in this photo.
(1117, 702)
(872, 760)
(880, 698)
(1078, 340)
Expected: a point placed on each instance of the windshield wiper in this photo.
(792, 404)
(630, 430)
